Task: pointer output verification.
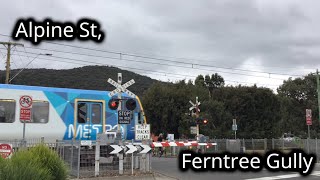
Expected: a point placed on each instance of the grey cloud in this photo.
(223, 33)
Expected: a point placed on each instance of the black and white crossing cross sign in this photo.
(129, 149)
(195, 105)
(124, 117)
(121, 88)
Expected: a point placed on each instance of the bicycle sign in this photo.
(25, 101)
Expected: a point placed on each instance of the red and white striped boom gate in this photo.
(180, 143)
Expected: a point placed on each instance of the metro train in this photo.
(62, 113)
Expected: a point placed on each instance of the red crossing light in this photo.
(113, 104)
(205, 121)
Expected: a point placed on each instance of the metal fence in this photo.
(96, 160)
(90, 160)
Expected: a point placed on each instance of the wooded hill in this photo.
(260, 112)
(87, 77)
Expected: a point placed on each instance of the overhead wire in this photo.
(208, 70)
(154, 58)
(136, 69)
(139, 56)
(159, 59)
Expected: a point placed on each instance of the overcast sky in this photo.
(243, 37)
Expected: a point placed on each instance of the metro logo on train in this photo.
(61, 113)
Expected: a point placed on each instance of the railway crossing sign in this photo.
(193, 130)
(195, 105)
(121, 88)
(142, 131)
(124, 117)
(309, 117)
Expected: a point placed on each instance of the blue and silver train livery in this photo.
(61, 113)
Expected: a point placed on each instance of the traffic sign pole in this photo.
(119, 90)
(25, 112)
(234, 127)
(309, 120)
(120, 102)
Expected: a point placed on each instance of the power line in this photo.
(148, 57)
(123, 59)
(153, 58)
(3, 55)
(137, 69)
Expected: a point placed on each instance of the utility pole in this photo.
(9, 45)
(318, 89)
(197, 116)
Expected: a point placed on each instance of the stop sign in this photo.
(5, 150)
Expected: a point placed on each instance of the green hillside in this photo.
(88, 77)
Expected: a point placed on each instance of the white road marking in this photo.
(316, 173)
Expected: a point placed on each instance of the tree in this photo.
(297, 95)
(199, 82)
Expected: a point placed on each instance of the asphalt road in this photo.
(168, 167)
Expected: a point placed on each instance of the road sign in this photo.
(25, 101)
(142, 131)
(170, 137)
(124, 117)
(145, 149)
(129, 149)
(121, 88)
(116, 149)
(25, 114)
(193, 130)
(309, 117)
(234, 127)
(5, 150)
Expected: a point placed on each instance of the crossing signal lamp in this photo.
(131, 104)
(205, 121)
(113, 104)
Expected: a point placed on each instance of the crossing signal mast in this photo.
(195, 112)
(115, 103)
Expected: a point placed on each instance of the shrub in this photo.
(37, 163)
(51, 161)
(23, 166)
